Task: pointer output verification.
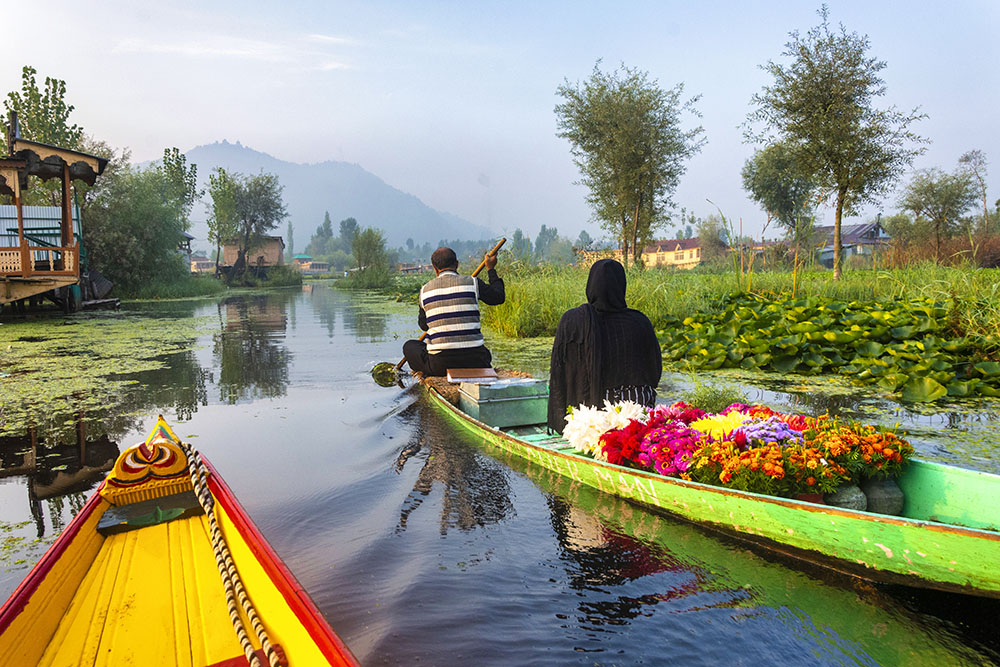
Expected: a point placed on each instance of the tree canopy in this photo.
(43, 116)
(258, 208)
(822, 106)
(626, 138)
(940, 198)
(774, 180)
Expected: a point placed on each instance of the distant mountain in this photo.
(345, 190)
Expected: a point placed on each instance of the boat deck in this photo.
(134, 606)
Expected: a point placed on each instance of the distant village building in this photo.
(675, 253)
(270, 252)
(200, 263)
(411, 267)
(864, 239)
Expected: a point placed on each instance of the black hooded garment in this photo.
(603, 349)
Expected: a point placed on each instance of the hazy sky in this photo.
(453, 101)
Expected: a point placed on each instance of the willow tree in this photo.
(626, 138)
(822, 105)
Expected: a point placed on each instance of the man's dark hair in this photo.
(444, 258)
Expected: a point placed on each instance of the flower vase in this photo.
(884, 496)
(848, 496)
(810, 498)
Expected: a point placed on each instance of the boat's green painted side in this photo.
(900, 550)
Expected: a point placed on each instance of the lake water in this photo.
(421, 547)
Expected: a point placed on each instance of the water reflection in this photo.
(625, 561)
(249, 350)
(57, 476)
(475, 489)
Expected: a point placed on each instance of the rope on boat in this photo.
(230, 576)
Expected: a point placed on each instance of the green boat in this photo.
(947, 537)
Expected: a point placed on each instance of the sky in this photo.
(453, 101)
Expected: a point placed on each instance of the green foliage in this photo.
(181, 182)
(133, 229)
(222, 222)
(821, 105)
(43, 116)
(626, 138)
(907, 347)
(371, 259)
(775, 181)
(181, 287)
(940, 198)
(258, 208)
(714, 397)
(282, 276)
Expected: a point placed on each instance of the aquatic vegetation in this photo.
(54, 373)
(905, 348)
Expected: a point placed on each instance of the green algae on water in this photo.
(55, 373)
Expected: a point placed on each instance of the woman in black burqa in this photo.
(603, 350)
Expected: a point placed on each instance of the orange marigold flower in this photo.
(810, 480)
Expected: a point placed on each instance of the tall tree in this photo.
(822, 106)
(711, 231)
(546, 236)
(133, 229)
(348, 230)
(371, 258)
(222, 221)
(774, 180)
(43, 116)
(940, 198)
(290, 254)
(974, 162)
(520, 246)
(583, 241)
(181, 182)
(626, 138)
(259, 209)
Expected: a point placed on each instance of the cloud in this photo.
(332, 39)
(209, 47)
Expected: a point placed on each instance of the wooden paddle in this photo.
(387, 375)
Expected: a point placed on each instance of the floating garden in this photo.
(909, 349)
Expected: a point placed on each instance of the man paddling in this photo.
(449, 313)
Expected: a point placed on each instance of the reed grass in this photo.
(538, 296)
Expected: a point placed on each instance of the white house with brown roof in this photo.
(675, 253)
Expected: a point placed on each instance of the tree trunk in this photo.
(636, 253)
(838, 216)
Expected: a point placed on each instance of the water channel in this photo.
(421, 547)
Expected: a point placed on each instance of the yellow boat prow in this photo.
(149, 591)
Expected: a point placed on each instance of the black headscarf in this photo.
(606, 286)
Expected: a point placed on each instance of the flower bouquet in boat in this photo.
(744, 447)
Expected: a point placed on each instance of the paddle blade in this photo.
(386, 374)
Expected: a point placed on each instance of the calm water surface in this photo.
(422, 547)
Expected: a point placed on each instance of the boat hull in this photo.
(152, 593)
(877, 547)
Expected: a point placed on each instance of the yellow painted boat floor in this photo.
(137, 607)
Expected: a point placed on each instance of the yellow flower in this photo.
(718, 426)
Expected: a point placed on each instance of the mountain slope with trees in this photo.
(344, 190)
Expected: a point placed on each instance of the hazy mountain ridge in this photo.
(344, 189)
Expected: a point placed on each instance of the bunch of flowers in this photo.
(750, 448)
(863, 450)
(669, 449)
(770, 431)
(585, 425)
(679, 411)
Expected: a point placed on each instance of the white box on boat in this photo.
(512, 402)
